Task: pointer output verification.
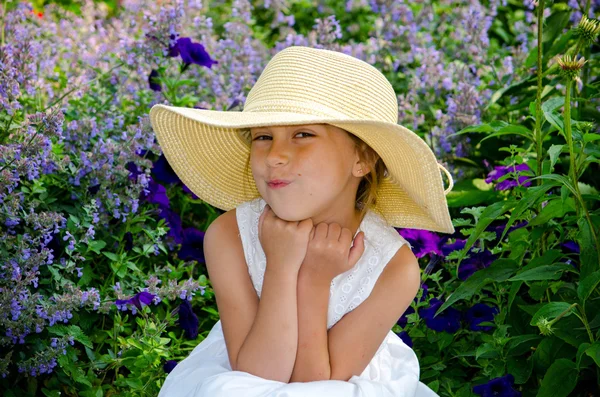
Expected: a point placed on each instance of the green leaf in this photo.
(530, 197)
(522, 344)
(488, 215)
(587, 285)
(550, 311)
(111, 256)
(548, 272)
(96, 246)
(554, 209)
(512, 130)
(559, 380)
(588, 252)
(594, 352)
(486, 351)
(554, 151)
(498, 271)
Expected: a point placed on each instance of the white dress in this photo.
(393, 371)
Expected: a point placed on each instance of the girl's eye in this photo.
(266, 136)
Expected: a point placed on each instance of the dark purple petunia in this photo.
(571, 245)
(500, 229)
(128, 241)
(174, 222)
(480, 312)
(448, 320)
(455, 246)
(153, 81)
(162, 171)
(422, 242)
(134, 170)
(191, 53)
(157, 194)
(192, 247)
(475, 262)
(406, 339)
(501, 170)
(188, 321)
(169, 365)
(139, 300)
(498, 387)
(92, 190)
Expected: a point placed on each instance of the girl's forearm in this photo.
(270, 348)
(312, 358)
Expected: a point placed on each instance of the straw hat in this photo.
(208, 149)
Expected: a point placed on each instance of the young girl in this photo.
(308, 271)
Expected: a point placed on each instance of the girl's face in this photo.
(320, 163)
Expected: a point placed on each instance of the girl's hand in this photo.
(329, 252)
(283, 242)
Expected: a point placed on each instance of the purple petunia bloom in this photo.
(480, 312)
(153, 81)
(157, 194)
(192, 245)
(406, 339)
(191, 53)
(572, 246)
(422, 242)
(139, 300)
(448, 320)
(475, 262)
(501, 387)
(188, 321)
(499, 171)
(169, 365)
(162, 171)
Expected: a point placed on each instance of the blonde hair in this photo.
(366, 193)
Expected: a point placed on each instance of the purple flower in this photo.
(157, 194)
(153, 81)
(138, 301)
(162, 171)
(571, 246)
(479, 313)
(188, 320)
(406, 339)
(422, 242)
(500, 387)
(500, 229)
(169, 365)
(191, 52)
(192, 245)
(475, 262)
(448, 320)
(499, 171)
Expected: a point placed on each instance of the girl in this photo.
(308, 271)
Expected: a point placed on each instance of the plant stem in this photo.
(573, 169)
(538, 100)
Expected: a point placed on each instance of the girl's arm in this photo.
(312, 358)
(269, 350)
(261, 336)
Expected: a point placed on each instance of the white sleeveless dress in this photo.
(393, 371)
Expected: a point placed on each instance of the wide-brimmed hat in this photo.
(209, 149)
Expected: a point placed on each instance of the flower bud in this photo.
(570, 67)
(588, 29)
(545, 326)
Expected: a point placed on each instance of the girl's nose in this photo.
(278, 153)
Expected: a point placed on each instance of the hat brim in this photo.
(206, 151)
